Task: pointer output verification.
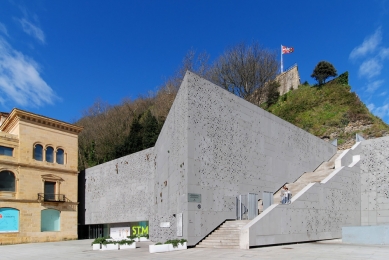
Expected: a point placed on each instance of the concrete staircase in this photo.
(226, 236)
(309, 177)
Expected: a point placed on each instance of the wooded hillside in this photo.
(328, 110)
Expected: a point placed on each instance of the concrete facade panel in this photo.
(215, 144)
(375, 181)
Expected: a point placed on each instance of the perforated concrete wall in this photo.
(375, 181)
(121, 190)
(317, 212)
(171, 162)
(232, 147)
(215, 144)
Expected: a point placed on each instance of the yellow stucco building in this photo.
(38, 178)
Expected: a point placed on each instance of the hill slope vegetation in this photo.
(330, 111)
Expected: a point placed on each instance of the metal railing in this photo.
(51, 197)
(246, 206)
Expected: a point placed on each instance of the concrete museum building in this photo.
(218, 157)
(38, 178)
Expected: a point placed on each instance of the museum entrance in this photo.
(93, 231)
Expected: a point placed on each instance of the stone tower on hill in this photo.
(289, 79)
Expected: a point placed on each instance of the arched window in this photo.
(50, 220)
(60, 156)
(7, 181)
(49, 154)
(38, 152)
(9, 220)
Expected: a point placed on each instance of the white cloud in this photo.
(20, 80)
(384, 53)
(373, 86)
(382, 111)
(371, 106)
(3, 29)
(32, 30)
(369, 45)
(383, 94)
(370, 68)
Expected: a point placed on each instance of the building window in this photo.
(50, 220)
(7, 151)
(60, 156)
(38, 152)
(49, 191)
(49, 154)
(9, 220)
(7, 181)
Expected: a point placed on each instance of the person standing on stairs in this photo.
(282, 194)
(288, 196)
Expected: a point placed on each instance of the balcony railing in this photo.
(50, 197)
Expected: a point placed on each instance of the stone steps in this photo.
(226, 236)
(318, 175)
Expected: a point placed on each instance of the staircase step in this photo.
(220, 246)
(221, 242)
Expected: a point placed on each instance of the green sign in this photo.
(193, 197)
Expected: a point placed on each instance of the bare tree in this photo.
(244, 69)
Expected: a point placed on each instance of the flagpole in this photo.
(282, 63)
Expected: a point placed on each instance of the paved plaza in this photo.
(81, 249)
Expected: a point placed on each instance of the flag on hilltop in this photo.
(286, 50)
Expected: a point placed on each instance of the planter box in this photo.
(158, 248)
(166, 248)
(133, 245)
(179, 247)
(96, 246)
(110, 247)
(142, 239)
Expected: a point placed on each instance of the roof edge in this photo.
(50, 122)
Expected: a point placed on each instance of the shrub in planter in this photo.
(158, 248)
(126, 244)
(96, 244)
(110, 245)
(176, 244)
(139, 238)
(132, 237)
(170, 245)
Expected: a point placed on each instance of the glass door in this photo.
(49, 190)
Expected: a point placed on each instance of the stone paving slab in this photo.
(81, 249)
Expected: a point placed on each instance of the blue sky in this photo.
(58, 57)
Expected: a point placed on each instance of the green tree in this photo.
(323, 71)
(133, 142)
(272, 94)
(150, 130)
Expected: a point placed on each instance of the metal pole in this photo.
(240, 207)
(282, 62)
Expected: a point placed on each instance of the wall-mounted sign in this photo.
(119, 232)
(164, 224)
(9, 221)
(194, 197)
(123, 230)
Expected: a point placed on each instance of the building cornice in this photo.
(43, 167)
(9, 137)
(18, 115)
(38, 201)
